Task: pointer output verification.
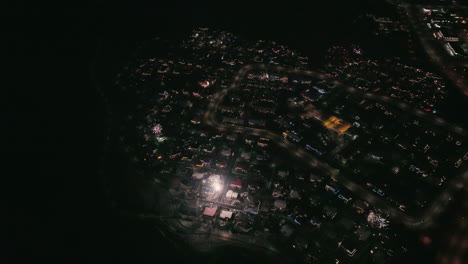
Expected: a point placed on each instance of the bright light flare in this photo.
(157, 129)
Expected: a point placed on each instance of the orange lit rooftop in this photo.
(336, 124)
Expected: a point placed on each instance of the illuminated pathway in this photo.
(423, 221)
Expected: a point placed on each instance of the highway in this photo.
(423, 221)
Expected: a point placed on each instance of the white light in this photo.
(217, 187)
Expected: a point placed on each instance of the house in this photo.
(226, 152)
(315, 178)
(231, 137)
(330, 212)
(176, 155)
(231, 195)
(246, 155)
(237, 183)
(261, 157)
(210, 211)
(198, 175)
(241, 167)
(276, 193)
(221, 164)
(283, 174)
(225, 214)
(315, 222)
(187, 157)
(250, 140)
(295, 194)
(263, 142)
(209, 148)
(332, 188)
(205, 161)
(280, 204)
(345, 199)
(229, 109)
(193, 147)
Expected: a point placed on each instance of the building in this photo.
(283, 174)
(231, 195)
(295, 194)
(263, 142)
(447, 35)
(209, 148)
(237, 183)
(241, 167)
(276, 193)
(246, 155)
(336, 124)
(315, 178)
(205, 161)
(232, 137)
(280, 204)
(225, 214)
(226, 152)
(210, 211)
(221, 164)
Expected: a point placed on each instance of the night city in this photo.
(332, 132)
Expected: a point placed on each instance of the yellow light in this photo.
(336, 124)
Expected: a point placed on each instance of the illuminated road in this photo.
(423, 221)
